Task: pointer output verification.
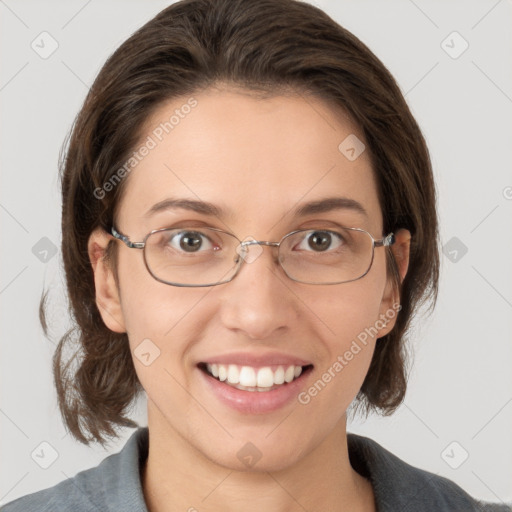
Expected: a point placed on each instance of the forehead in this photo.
(257, 159)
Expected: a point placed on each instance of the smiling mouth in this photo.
(248, 378)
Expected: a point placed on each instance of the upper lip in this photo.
(257, 359)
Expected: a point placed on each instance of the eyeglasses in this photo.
(192, 256)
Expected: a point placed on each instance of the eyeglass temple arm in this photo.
(126, 240)
(386, 241)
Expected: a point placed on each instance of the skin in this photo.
(260, 158)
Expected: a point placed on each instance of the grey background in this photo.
(460, 387)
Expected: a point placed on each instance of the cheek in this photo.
(156, 317)
(350, 315)
(149, 307)
(160, 334)
(353, 308)
(352, 318)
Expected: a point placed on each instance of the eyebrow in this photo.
(187, 204)
(313, 207)
(330, 204)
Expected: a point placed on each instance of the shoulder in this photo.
(112, 485)
(400, 486)
(64, 496)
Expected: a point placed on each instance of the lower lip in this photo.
(255, 402)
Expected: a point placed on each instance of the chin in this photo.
(258, 455)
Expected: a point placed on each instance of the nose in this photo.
(259, 301)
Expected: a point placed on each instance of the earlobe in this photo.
(107, 293)
(391, 299)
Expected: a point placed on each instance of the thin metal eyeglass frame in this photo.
(387, 241)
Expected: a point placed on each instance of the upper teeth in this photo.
(248, 376)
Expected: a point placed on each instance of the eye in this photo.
(321, 241)
(190, 241)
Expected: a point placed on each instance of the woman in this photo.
(249, 225)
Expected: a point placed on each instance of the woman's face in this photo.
(259, 160)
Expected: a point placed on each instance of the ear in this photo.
(390, 304)
(107, 293)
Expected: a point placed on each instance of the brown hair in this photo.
(260, 45)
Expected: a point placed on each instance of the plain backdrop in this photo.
(459, 87)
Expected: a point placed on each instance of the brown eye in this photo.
(321, 241)
(190, 241)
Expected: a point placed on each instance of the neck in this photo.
(178, 477)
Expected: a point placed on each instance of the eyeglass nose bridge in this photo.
(242, 251)
(259, 242)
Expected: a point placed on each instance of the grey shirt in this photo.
(115, 484)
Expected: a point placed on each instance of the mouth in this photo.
(255, 379)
